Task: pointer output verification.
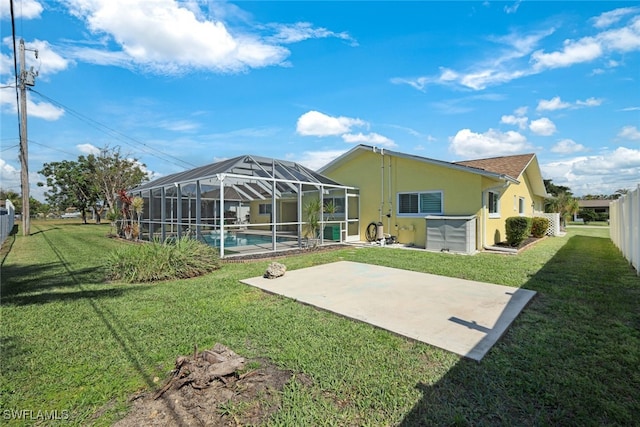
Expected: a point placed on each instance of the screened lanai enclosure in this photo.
(250, 204)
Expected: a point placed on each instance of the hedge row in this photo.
(519, 228)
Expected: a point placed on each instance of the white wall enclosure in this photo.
(249, 204)
(7, 219)
(625, 226)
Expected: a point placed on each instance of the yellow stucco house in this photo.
(426, 202)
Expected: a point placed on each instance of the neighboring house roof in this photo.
(362, 147)
(514, 166)
(595, 203)
(247, 165)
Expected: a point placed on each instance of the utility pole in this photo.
(27, 78)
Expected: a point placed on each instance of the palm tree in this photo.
(565, 205)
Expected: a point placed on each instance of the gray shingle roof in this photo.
(246, 165)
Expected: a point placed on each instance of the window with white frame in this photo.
(521, 205)
(422, 203)
(493, 204)
(264, 209)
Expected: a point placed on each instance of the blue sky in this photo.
(178, 84)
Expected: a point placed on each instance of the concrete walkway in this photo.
(461, 316)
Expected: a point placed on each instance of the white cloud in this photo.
(88, 149)
(513, 8)
(179, 125)
(491, 143)
(25, 9)
(552, 104)
(10, 176)
(609, 18)
(521, 111)
(498, 67)
(567, 146)
(370, 138)
(314, 123)
(623, 39)
(43, 110)
(521, 122)
(556, 103)
(163, 36)
(543, 126)
(573, 52)
(316, 159)
(300, 31)
(505, 63)
(630, 132)
(589, 102)
(481, 79)
(602, 174)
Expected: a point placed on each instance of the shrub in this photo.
(539, 226)
(517, 229)
(588, 215)
(149, 262)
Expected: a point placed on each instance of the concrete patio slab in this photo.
(461, 316)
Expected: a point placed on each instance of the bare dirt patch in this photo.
(214, 387)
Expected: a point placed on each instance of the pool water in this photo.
(239, 239)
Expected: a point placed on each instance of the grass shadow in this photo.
(68, 280)
(48, 297)
(6, 248)
(40, 231)
(27, 279)
(570, 357)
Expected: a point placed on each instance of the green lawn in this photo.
(71, 342)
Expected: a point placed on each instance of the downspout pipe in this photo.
(381, 183)
(390, 198)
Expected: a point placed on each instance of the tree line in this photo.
(563, 202)
(92, 182)
(89, 184)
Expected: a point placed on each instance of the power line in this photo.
(9, 148)
(118, 135)
(15, 61)
(51, 148)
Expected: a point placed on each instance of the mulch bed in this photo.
(284, 253)
(525, 244)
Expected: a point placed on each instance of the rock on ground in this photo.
(275, 270)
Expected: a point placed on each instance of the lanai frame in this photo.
(248, 195)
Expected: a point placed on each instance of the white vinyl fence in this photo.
(7, 218)
(625, 226)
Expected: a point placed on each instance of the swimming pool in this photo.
(241, 239)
